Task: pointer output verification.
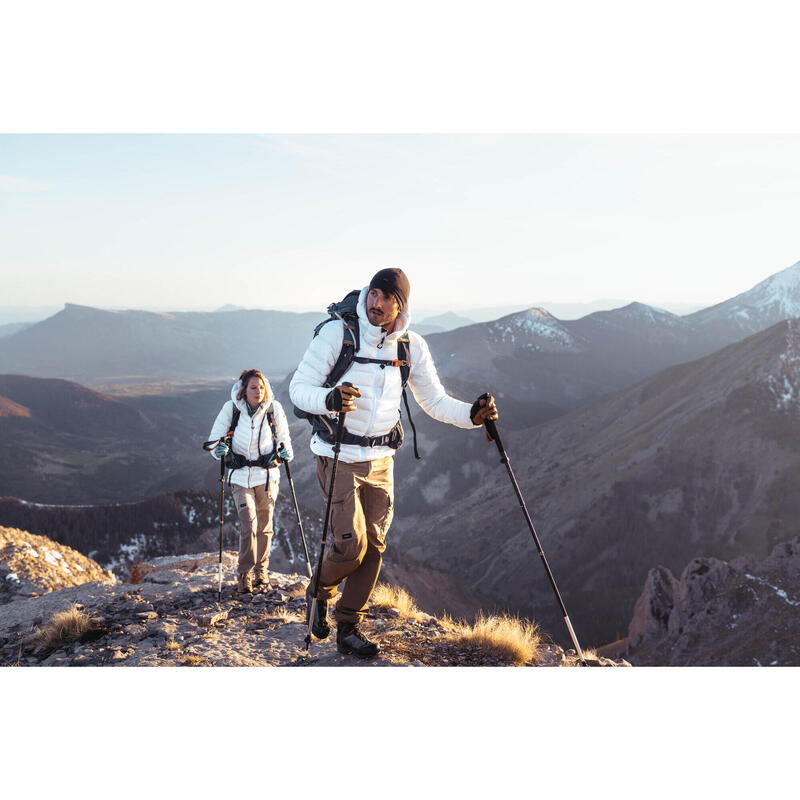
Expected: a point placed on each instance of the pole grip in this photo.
(491, 428)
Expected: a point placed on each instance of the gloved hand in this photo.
(285, 453)
(482, 409)
(342, 398)
(221, 450)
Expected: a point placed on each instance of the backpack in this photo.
(346, 310)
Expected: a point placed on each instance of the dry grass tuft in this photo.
(386, 596)
(509, 638)
(192, 660)
(296, 589)
(172, 645)
(63, 626)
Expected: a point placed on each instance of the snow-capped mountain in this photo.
(534, 329)
(774, 299)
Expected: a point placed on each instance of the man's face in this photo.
(382, 308)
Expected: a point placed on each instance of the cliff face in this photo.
(718, 613)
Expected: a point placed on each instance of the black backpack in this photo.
(346, 310)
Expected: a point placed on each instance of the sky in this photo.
(294, 221)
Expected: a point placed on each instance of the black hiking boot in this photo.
(319, 627)
(349, 639)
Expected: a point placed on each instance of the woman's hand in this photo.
(221, 450)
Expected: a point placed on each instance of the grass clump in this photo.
(386, 596)
(192, 660)
(509, 638)
(64, 626)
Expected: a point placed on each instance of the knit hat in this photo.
(392, 281)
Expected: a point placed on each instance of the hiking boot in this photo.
(262, 582)
(319, 627)
(349, 639)
(244, 584)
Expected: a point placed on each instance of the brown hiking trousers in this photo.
(361, 512)
(254, 507)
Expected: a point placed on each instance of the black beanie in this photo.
(392, 281)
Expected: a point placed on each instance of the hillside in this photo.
(32, 565)
(171, 618)
(700, 459)
(93, 346)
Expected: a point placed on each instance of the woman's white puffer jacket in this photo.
(246, 439)
(377, 410)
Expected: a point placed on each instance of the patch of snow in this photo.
(785, 386)
(31, 552)
(78, 567)
(780, 592)
(50, 558)
(12, 576)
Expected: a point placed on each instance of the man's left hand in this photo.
(482, 409)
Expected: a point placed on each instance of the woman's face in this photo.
(256, 392)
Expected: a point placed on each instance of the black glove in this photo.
(342, 398)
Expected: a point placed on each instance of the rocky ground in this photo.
(32, 565)
(172, 618)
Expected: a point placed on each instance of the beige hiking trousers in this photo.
(255, 507)
(361, 512)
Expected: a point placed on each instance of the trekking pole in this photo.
(336, 447)
(492, 430)
(297, 511)
(221, 523)
(210, 446)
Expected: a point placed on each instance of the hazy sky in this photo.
(279, 221)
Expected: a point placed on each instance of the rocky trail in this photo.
(170, 617)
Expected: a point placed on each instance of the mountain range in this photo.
(639, 438)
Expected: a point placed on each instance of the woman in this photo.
(260, 444)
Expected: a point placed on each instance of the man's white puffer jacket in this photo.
(250, 433)
(377, 410)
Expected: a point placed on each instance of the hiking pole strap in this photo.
(297, 512)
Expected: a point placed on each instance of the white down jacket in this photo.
(253, 436)
(377, 410)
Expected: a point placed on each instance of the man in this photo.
(363, 497)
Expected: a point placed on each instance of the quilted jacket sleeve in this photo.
(281, 425)
(306, 389)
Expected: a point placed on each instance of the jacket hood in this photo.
(401, 325)
(242, 404)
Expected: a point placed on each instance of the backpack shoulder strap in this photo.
(234, 422)
(271, 420)
(404, 357)
(351, 342)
